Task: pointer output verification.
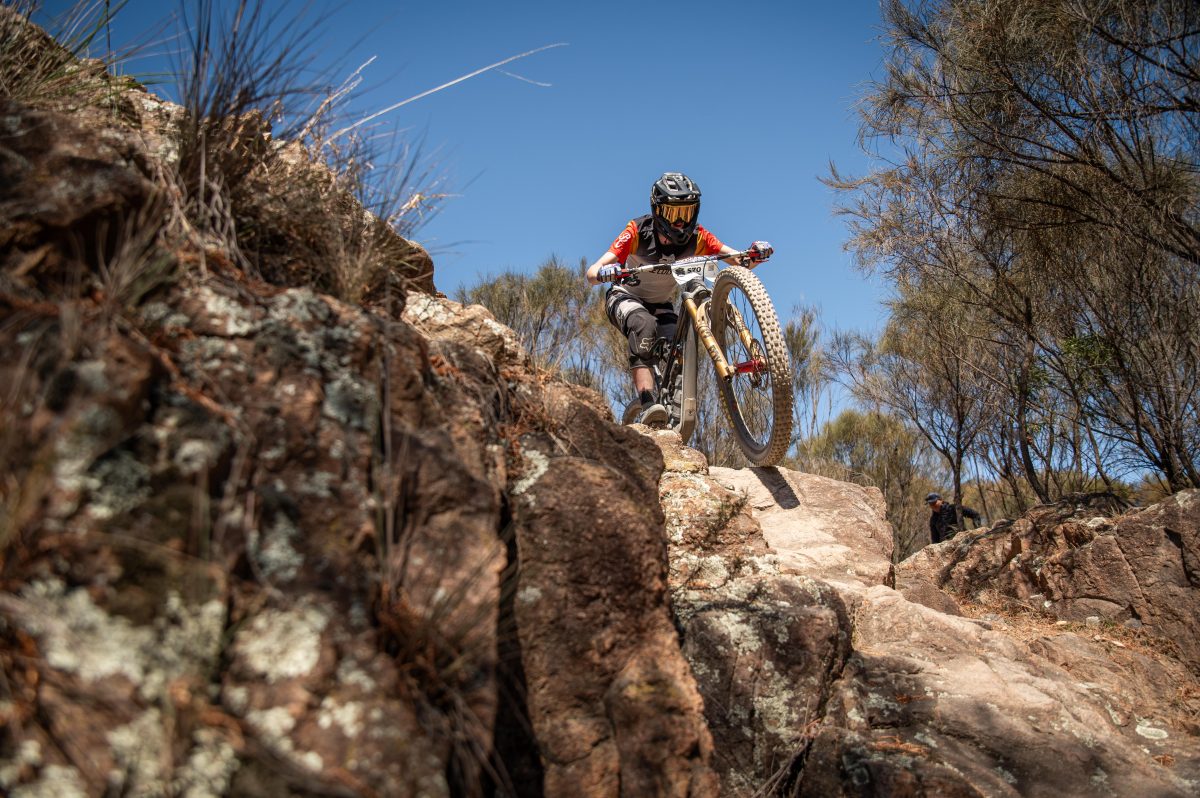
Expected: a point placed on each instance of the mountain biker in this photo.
(643, 312)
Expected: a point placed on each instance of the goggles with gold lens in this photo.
(678, 213)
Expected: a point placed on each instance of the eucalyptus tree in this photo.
(1039, 159)
(545, 309)
(810, 379)
(925, 372)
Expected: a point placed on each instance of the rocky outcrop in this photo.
(365, 486)
(819, 679)
(765, 639)
(610, 700)
(1075, 563)
(63, 183)
(820, 527)
(933, 704)
(255, 540)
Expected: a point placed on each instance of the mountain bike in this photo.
(726, 310)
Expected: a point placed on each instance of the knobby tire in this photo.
(758, 406)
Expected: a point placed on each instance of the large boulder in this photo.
(258, 541)
(1076, 562)
(611, 701)
(934, 704)
(820, 527)
(819, 679)
(765, 639)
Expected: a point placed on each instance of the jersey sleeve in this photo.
(706, 242)
(626, 243)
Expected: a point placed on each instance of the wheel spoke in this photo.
(751, 381)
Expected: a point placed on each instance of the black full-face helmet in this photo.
(675, 199)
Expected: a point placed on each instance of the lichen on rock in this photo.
(281, 644)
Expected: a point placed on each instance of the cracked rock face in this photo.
(257, 541)
(1141, 568)
(819, 679)
(611, 698)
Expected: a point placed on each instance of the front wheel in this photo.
(758, 395)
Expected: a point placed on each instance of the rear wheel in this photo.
(758, 396)
(677, 391)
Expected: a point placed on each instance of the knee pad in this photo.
(641, 328)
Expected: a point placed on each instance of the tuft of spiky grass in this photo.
(61, 68)
(130, 258)
(399, 190)
(264, 180)
(338, 218)
(239, 73)
(275, 174)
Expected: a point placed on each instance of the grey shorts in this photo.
(641, 322)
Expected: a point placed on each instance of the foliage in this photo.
(262, 174)
(925, 371)
(810, 381)
(1034, 203)
(547, 310)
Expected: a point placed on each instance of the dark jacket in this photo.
(943, 523)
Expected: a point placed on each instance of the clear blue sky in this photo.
(751, 99)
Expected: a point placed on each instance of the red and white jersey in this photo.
(637, 245)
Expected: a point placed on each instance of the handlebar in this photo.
(741, 255)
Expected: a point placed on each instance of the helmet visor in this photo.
(678, 213)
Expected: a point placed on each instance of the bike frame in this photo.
(695, 277)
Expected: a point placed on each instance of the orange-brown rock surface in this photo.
(821, 679)
(259, 541)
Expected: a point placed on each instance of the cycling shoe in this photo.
(654, 415)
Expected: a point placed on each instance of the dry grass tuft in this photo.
(50, 70)
(262, 176)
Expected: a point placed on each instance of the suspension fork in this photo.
(743, 331)
(699, 315)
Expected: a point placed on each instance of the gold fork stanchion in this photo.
(699, 315)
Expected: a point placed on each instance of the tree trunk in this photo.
(1023, 393)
